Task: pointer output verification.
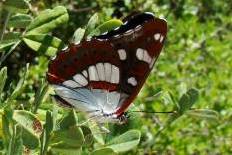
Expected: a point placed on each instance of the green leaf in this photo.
(3, 77)
(48, 20)
(32, 128)
(49, 124)
(69, 120)
(125, 142)
(106, 27)
(88, 136)
(66, 150)
(9, 39)
(29, 139)
(93, 21)
(72, 137)
(188, 99)
(204, 114)
(43, 43)
(193, 95)
(16, 6)
(19, 21)
(78, 35)
(184, 103)
(104, 151)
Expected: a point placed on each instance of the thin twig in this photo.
(82, 9)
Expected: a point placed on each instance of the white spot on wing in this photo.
(132, 81)
(84, 72)
(107, 68)
(139, 53)
(71, 83)
(122, 54)
(146, 57)
(129, 32)
(93, 76)
(152, 62)
(115, 74)
(80, 79)
(157, 36)
(137, 28)
(161, 38)
(100, 71)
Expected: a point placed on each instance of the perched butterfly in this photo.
(103, 75)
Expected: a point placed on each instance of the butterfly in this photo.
(102, 76)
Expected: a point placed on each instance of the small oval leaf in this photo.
(125, 142)
(91, 24)
(106, 27)
(78, 35)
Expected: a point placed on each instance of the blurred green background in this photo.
(197, 53)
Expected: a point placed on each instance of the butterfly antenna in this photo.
(155, 112)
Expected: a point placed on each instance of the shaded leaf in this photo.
(88, 136)
(69, 120)
(9, 39)
(104, 151)
(43, 43)
(19, 21)
(125, 142)
(47, 20)
(16, 6)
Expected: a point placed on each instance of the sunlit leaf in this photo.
(125, 142)
(43, 43)
(93, 21)
(104, 151)
(47, 20)
(78, 35)
(32, 128)
(106, 27)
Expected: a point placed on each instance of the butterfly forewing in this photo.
(139, 48)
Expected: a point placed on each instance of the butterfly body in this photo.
(103, 75)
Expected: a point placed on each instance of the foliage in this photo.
(192, 79)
